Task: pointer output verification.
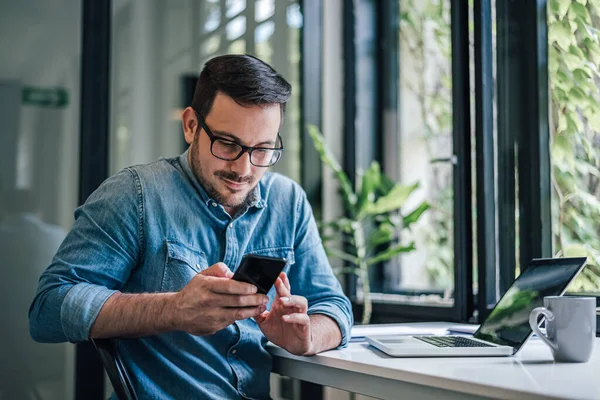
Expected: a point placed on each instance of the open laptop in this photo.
(506, 329)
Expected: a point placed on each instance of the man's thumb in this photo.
(218, 270)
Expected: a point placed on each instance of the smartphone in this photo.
(260, 271)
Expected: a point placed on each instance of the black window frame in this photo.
(385, 94)
(521, 142)
(96, 19)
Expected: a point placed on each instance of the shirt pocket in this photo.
(182, 264)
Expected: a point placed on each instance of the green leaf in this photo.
(414, 215)
(591, 200)
(571, 61)
(587, 169)
(575, 250)
(576, 51)
(371, 180)
(583, 78)
(387, 184)
(382, 235)
(561, 34)
(340, 225)
(391, 252)
(563, 8)
(560, 149)
(333, 252)
(582, 2)
(576, 10)
(594, 122)
(390, 202)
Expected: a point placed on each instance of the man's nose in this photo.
(242, 165)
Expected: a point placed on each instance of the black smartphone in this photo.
(260, 271)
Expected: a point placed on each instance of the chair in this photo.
(107, 350)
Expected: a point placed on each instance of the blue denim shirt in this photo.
(151, 228)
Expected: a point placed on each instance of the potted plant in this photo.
(370, 231)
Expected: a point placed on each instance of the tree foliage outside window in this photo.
(574, 83)
(574, 71)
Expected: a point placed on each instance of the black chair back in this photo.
(115, 368)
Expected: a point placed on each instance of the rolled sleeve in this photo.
(95, 260)
(80, 309)
(338, 316)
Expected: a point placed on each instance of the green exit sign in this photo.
(45, 97)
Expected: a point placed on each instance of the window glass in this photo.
(425, 150)
(167, 44)
(40, 73)
(574, 62)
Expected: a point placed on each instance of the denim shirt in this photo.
(151, 228)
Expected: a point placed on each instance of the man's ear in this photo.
(190, 124)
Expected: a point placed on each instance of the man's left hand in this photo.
(287, 324)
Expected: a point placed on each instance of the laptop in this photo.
(506, 329)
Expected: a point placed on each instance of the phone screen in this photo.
(260, 271)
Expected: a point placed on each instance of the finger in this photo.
(237, 314)
(280, 288)
(298, 302)
(286, 281)
(297, 318)
(229, 286)
(218, 270)
(235, 301)
(261, 317)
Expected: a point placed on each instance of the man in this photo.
(136, 263)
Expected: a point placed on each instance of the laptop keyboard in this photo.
(451, 341)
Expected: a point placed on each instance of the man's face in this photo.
(230, 182)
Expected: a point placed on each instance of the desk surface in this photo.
(531, 373)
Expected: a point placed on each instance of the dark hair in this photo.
(246, 79)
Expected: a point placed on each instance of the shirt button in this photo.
(234, 351)
(214, 204)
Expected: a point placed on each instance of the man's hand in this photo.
(211, 301)
(287, 324)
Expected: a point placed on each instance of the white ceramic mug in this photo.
(570, 326)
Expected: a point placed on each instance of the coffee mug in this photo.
(570, 326)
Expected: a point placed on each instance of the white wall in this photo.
(40, 47)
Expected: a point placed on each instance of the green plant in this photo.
(371, 227)
(574, 71)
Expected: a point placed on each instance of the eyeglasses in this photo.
(229, 150)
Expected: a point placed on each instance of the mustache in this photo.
(232, 176)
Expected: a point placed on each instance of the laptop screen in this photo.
(508, 323)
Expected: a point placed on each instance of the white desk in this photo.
(531, 374)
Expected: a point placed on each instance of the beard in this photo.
(233, 200)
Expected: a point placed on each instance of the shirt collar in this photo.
(256, 200)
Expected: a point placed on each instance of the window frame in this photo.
(96, 20)
(385, 61)
(522, 112)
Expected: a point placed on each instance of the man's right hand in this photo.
(211, 301)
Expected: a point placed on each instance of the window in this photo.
(464, 105)
(425, 147)
(574, 60)
(159, 50)
(409, 73)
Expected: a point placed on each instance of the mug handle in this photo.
(533, 323)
